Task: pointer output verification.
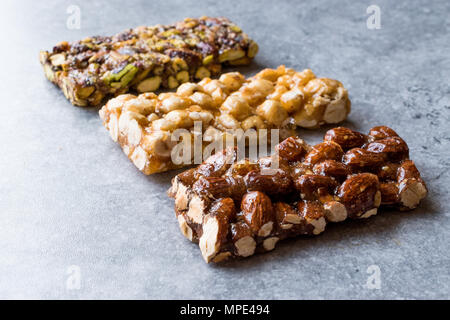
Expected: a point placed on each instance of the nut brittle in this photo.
(144, 59)
(143, 125)
(236, 213)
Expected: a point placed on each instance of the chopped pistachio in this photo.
(149, 85)
(93, 67)
(191, 41)
(177, 43)
(116, 85)
(235, 28)
(115, 77)
(240, 62)
(171, 32)
(158, 70)
(183, 76)
(231, 54)
(85, 92)
(202, 72)
(128, 76)
(208, 59)
(179, 64)
(160, 45)
(96, 98)
(150, 51)
(172, 82)
(201, 34)
(252, 49)
(140, 76)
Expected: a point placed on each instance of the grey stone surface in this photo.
(69, 196)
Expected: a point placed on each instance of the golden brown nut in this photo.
(258, 213)
(359, 194)
(345, 137)
(263, 102)
(326, 191)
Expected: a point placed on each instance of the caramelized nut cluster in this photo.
(146, 58)
(273, 99)
(239, 208)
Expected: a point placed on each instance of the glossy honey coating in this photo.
(279, 98)
(348, 175)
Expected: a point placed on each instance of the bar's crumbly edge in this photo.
(279, 98)
(233, 210)
(144, 59)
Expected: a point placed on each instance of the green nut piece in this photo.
(252, 49)
(240, 62)
(183, 76)
(128, 76)
(85, 92)
(160, 45)
(191, 41)
(235, 28)
(231, 54)
(116, 77)
(202, 72)
(172, 82)
(115, 85)
(208, 59)
(177, 43)
(158, 70)
(179, 64)
(171, 32)
(149, 85)
(140, 76)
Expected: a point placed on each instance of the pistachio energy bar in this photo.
(274, 98)
(235, 209)
(145, 58)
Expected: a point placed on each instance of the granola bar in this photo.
(237, 209)
(274, 98)
(146, 58)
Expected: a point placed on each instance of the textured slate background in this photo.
(69, 196)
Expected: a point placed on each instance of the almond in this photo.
(291, 149)
(381, 132)
(286, 215)
(313, 186)
(389, 193)
(314, 215)
(358, 192)
(215, 228)
(388, 171)
(187, 177)
(407, 170)
(242, 238)
(358, 159)
(393, 148)
(217, 164)
(327, 150)
(278, 183)
(332, 168)
(241, 168)
(212, 187)
(258, 213)
(345, 137)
